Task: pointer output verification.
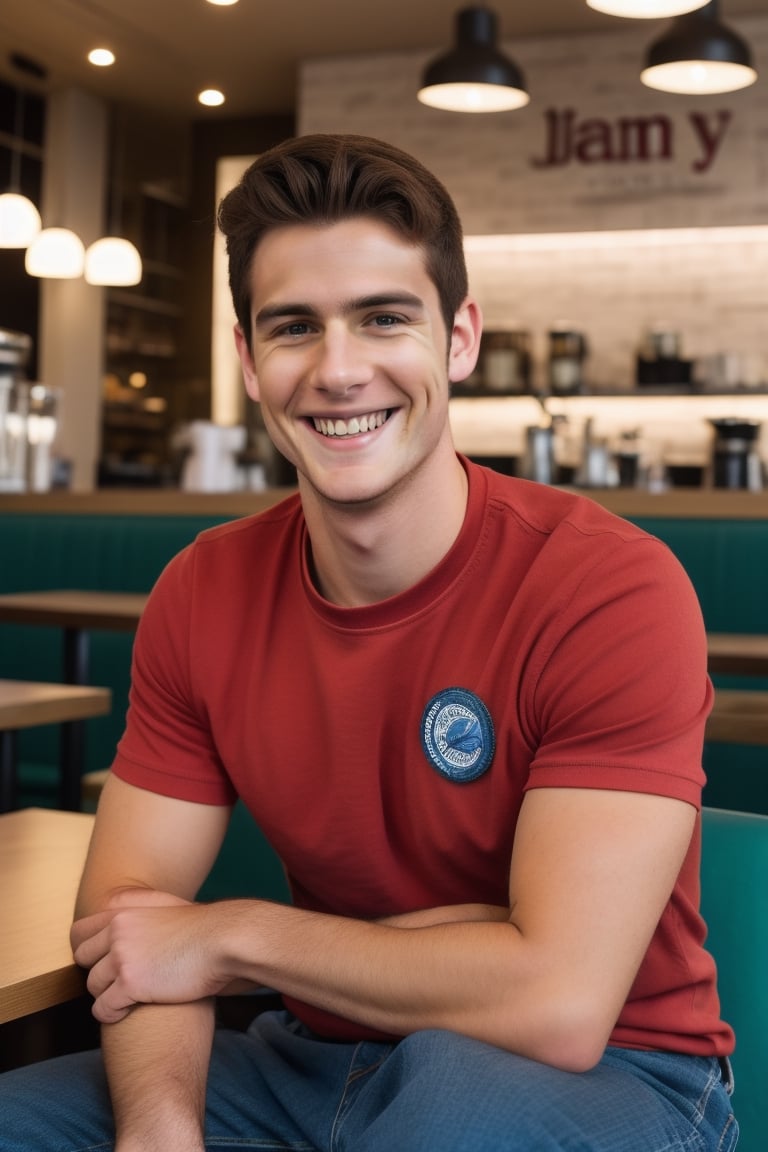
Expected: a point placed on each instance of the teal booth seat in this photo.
(734, 894)
(727, 562)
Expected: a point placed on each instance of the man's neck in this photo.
(362, 554)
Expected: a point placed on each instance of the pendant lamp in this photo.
(698, 55)
(55, 254)
(114, 261)
(19, 218)
(474, 76)
(645, 9)
(19, 221)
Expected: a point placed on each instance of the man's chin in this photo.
(345, 491)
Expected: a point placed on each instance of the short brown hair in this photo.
(327, 178)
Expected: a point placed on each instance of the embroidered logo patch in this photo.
(457, 735)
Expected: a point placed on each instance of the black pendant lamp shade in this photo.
(474, 76)
(699, 55)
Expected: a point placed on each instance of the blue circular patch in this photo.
(457, 735)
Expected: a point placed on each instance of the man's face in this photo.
(350, 358)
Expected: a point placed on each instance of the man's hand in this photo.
(147, 947)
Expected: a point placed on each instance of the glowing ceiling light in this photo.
(112, 261)
(211, 97)
(19, 221)
(101, 57)
(645, 9)
(55, 254)
(474, 76)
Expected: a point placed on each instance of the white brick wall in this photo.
(714, 293)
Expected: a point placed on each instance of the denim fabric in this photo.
(277, 1087)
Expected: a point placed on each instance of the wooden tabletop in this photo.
(42, 853)
(737, 653)
(70, 608)
(739, 717)
(27, 703)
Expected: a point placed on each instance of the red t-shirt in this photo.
(576, 649)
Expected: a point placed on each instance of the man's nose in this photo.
(343, 362)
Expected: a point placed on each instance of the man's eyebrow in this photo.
(286, 309)
(278, 311)
(385, 300)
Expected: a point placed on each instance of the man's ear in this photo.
(465, 341)
(246, 360)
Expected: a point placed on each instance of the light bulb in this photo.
(646, 9)
(112, 261)
(473, 97)
(19, 221)
(55, 254)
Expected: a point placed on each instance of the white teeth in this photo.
(350, 427)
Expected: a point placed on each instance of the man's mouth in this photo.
(352, 427)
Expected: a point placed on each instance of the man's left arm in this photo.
(591, 873)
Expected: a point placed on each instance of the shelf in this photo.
(676, 424)
(643, 393)
(145, 303)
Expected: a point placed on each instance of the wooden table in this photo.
(26, 704)
(739, 654)
(77, 613)
(42, 853)
(738, 717)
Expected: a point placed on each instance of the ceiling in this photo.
(168, 50)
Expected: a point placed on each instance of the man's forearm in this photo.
(157, 1066)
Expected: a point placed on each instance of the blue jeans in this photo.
(279, 1087)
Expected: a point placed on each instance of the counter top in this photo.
(142, 502)
(681, 503)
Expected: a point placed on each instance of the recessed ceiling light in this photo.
(222, 3)
(211, 97)
(101, 57)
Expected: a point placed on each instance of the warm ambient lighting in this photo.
(222, 3)
(56, 254)
(19, 218)
(645, 9)
(101, 57)
(474, 76)
(211, 97)
(112, 261)
(624, 239)
(19, 221)
(699, 56)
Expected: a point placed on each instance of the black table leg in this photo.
(7, 770)
(71, 761)
(72, 737)
(76, 656)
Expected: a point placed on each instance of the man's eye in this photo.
(295, 328)
(387, 320)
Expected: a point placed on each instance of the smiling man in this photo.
(466, 710)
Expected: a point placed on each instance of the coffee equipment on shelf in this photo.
(505, 361)
(211, 464)
(539, 458)
(660, 363)
(15, 348)
(598, 468)
(735, 459)
(567, 353)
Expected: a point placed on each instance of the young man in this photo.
(468, 713)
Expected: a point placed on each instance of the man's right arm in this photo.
(148, 848)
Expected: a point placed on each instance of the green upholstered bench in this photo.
(734, 896)
(727, 561)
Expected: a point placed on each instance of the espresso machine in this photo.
(15, 348)
(735, 459)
